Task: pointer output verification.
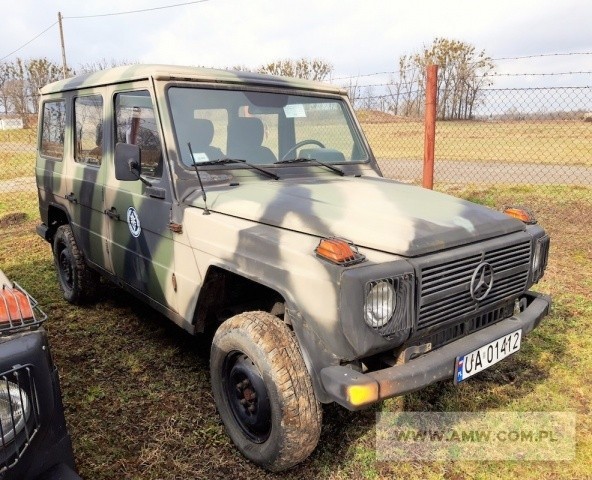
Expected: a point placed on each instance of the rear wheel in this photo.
(78, 282)
(263, 391)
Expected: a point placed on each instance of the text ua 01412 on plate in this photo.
(487, 355)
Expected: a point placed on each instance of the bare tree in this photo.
(20, 81)
(5, 76)
(40, 72)
(463, 73)
(16, 89)
(242, 68)
(310, 69)
(102, 64)
(354, 92)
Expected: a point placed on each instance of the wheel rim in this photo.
(247, 396)
(65, 267)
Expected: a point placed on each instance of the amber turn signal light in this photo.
(520, 214)
(339, 251)
(14, 305)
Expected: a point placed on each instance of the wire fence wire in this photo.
(526, 137)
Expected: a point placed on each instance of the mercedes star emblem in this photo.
(481, 281)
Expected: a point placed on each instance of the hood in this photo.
(372, 212)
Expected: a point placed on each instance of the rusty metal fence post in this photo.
(429, 144)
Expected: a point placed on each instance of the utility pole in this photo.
(64, 66)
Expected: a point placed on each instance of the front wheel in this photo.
(78, 282)
(263, 391)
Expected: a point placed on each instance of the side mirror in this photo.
(127, 162)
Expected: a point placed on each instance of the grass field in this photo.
(542, 142)
(138, 400)
(549, 142)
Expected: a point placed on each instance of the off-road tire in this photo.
(296, 415)
(78, 282)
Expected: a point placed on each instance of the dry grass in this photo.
(137, 393)
(16, 164)
(541, 142)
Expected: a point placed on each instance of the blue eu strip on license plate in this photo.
(487, 355)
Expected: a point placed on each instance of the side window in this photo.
(135, 123)
(53, 129)
(88, 136)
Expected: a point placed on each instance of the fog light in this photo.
(14, 411)
(380, 304)
(358, 395)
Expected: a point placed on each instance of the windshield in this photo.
(262, 127)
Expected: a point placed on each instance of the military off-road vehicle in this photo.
(253, 206)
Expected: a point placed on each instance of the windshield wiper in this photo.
(225, 161)
(313, 160)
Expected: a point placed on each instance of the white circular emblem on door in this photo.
(133, 222)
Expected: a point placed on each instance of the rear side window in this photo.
(53, 127)
(135, 124)
(88, 118)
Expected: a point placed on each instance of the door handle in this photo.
(112, 213)
(71, 198)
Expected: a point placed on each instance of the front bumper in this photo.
(355, 390)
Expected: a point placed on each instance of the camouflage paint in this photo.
(262, 229)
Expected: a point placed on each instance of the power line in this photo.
(137, 11)
(33, 39)
(102, 15)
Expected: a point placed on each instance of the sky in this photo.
(356, 37)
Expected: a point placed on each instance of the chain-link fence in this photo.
(516, 136)
(18, 139)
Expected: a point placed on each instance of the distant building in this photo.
(11, 123)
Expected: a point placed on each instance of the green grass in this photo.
(15, 165)
(550, 142)
(137, 394)
(19, 203)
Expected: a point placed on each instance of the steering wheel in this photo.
(301, 144)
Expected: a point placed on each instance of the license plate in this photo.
(486, 356)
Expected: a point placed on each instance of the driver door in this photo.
(141, 243)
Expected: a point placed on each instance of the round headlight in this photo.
(14, 410)
(380, 304)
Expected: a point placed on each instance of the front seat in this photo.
(201, 136)
(245, 136)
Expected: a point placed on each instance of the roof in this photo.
(176, 72)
